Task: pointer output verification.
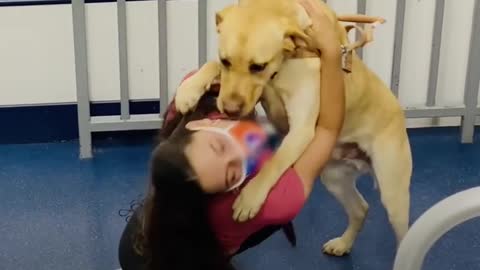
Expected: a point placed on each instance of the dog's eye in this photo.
(273, 76)
(226, 63)
(254, 68)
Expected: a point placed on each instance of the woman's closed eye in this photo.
(217, 147)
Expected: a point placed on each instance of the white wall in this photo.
(36, 55)
(37, 63)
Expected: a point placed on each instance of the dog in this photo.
(258, 41)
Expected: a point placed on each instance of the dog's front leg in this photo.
(298, 84)
(192, 89)
(254, 194)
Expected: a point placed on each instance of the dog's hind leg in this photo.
(339, 178)
(392, 163)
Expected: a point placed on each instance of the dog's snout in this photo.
(233, 104)
(233, 107)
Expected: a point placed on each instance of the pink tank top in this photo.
(283, 204)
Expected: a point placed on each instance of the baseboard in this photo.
(53, 123)
(58, 122)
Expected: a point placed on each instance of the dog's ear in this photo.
(294, 36)
(289, 44)
(220, 16)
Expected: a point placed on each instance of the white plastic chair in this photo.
(433, 224)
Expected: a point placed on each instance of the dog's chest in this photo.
(298, 83)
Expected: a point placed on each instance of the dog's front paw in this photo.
(337, 247)
(249, 201)
(188, 94)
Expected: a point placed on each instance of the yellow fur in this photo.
(261, 31)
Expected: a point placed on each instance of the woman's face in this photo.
(215, 159)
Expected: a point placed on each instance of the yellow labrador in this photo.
(257, 45)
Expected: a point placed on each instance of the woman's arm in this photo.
(332, 96)
(313, 160)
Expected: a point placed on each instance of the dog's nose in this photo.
(233, 108)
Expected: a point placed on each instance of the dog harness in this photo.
(365, 34)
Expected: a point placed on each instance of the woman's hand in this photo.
(323, 30)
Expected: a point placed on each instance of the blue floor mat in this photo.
(58, 212)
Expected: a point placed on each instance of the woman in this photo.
(186, 220)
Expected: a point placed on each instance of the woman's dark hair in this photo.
(177, 234)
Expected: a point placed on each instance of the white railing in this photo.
(126, 121)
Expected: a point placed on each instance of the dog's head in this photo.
(253, 43)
